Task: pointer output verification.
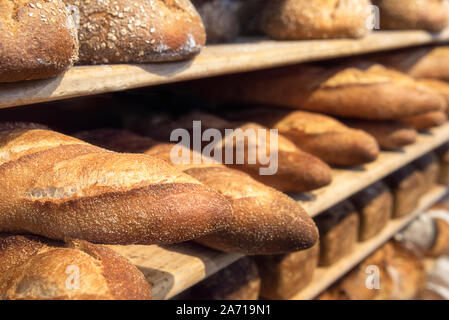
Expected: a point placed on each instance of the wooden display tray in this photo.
(325, 277)
(173, 269)
(246, 55)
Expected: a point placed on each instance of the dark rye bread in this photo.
(317, 134)
(318, 19)
(58, 187)
(431, 15)
(263, 220)
(35, 268)
(358, 90)
(426, 120)
(126, 31)
(38, 39)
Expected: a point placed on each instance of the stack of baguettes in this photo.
(59, 188)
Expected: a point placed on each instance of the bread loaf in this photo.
(389, 135)
(57, 186)
(220, 19)
(439, 86)
(430, 167)
(137, 31)
(38, 269)
(283, 276)
(426, 121)
(443, 154)
(375, 207)
(355, 90)
(239, 281)
(263, 220)
(432, 15)
(319, 19)
(339, 231)
(407, 186)
(317, 134)
(37, 40)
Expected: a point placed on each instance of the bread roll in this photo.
(426, 121)
(283, 276)
(38, 269)
(220, 19)
(239, 281)
(407, 186)
(38, 40)
(58, 187)
(137, 31)
(375, 207)
(317, 134)
(432, 15)
(263, 220)
(389, 135)
(339, 231)
(430, 167)
(354, 90)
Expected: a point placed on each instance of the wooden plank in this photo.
(348, 182)
(246, 55)
(325, 277)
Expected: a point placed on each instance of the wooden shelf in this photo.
(345, 182)
(246, 55)
(173, 269)
(325, 277)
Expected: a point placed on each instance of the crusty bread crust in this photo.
(125, 31)
(38, 39)
(426, 120)
(36, 268)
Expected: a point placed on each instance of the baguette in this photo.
(426, 121)
(319, 19)
(317, 134)
(389, 135)
(137, 31)
(38, 269)
(36, 42)
(58, 187)
(263, 220)
(356, 90)
(431, 15)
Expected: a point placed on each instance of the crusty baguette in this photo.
(318, 19)
(37, 41)
(432, 15)
(317, 134)
(57, 186)
(426, 120)
(36, 268)
(125, 31)
(389, 135)
(220, 19)
(264, 221)
(354, 90)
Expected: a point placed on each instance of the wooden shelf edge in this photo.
(213, 60)
(325, 277)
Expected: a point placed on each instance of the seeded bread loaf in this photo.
(319, 19)
(38, 269)
(375, 207)
(389, 135)
(38, 39)
(137, 31)
(58, 187)
(263, 220)
(339, 232)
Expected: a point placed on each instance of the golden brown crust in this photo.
(389, 135)
(36, 268)
(426, 121)
(318, 19)
(432, 15)
(439, 86)
(125, 31)
(38, 39)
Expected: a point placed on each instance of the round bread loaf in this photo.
(38, 39)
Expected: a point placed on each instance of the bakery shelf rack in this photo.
(245, 55)
(172, 269)
(325, 277)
